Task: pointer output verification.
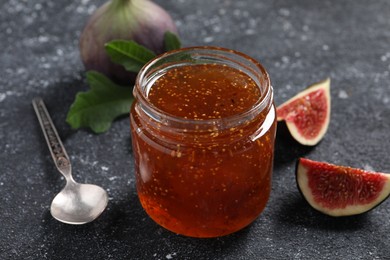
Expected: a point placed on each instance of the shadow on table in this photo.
(295, 211)
(137, 231)
(287, 149)
(125, 230)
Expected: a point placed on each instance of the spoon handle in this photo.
(57, 150)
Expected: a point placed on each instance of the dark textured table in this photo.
(299, 42)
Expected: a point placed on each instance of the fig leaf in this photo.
(129, 54)
(99, 106)
(171, 41)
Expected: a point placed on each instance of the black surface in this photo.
(299, 42)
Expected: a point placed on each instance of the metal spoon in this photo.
(76, 203)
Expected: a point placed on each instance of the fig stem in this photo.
(118, 4)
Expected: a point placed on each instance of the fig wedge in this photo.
(339, 190)
(307, 114)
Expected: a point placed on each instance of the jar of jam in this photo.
(203, 128)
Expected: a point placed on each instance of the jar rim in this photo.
(264, 101)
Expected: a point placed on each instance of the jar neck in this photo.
(201, 55)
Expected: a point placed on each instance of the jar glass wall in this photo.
(203, 127)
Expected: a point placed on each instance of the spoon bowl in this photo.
(79, 203)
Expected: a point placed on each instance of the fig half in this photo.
(339, 190)
(307, 114)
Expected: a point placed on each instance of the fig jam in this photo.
(203, 130)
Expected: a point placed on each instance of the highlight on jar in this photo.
(203, 129)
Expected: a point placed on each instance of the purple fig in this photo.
(140, 20)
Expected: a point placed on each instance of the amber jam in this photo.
(203, 129)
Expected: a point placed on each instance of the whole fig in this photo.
(140, 20)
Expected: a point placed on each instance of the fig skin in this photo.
(140, 20)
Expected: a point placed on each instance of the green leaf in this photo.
(99, 106)
(129, 54)
(171, 41)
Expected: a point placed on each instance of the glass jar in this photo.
(203, 127)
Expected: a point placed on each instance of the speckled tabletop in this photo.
(299, 42)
